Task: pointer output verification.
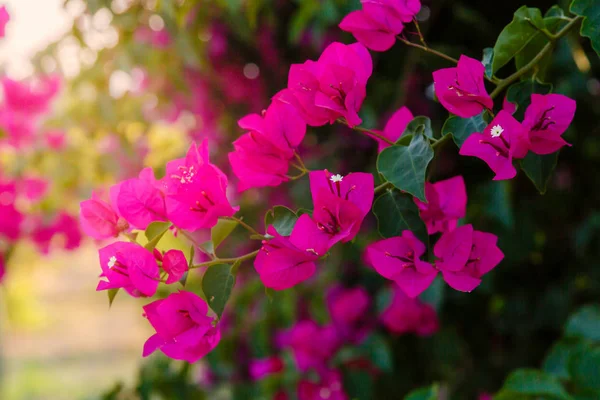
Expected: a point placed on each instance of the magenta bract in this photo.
(546, 119)
(446, 204)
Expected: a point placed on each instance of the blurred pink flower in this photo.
(260, 368)
(4, 18)
(409, 315)
(31, 97)
(312, 345)
(348, 309)
(328, 388)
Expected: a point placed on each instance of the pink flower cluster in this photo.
(461, 90)
(378, 23)
(463, 255)
(340, 205)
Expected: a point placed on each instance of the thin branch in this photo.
(365, 130)
(427, 49)
(244, 225)
(383, 187)
(232, 260)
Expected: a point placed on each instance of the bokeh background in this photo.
(141, 79)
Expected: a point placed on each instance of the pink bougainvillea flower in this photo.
(64, 225)
(56, 140)
(380, 21)
(31, 97)
(12, 218)
(465, 255)
(283, 262)
(19, 128)
(328, 388)
(4, 18)
(140, 203)
(508, 106)
(409, 315)
(332, 87)
(33, 188)
(195, 191)
(501, 141)
(341, 203)
(260, 368)
(394, 128)
(399, 259)
(262, 155)
(546, 119)
(371, 33)
(348, 309)
(308, 351)
(461, 89)
(183, 330)
(175, 265)
(99, 219)
(446, 204)
(129, 266)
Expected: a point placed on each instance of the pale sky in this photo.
(33, 25)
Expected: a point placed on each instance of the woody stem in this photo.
(196, 244)
(232, 260)
(504, 83)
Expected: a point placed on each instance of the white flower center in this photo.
(112, 261)
(496, 131)
(336, 178)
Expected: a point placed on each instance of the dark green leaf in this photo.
(585, 323)
(282, 218)
(554, 11)
(405, 167)
(556, 362)
(462, 128)
(397, 212)
(154, 232)
(539, 169)
(379, 352)
(358, 384)
(590, 28)
(217, 283)
(534, 383)
(434, 294)
(524, 27)
(584, 368)
(427, 393)
(221, 231)
(419, 125)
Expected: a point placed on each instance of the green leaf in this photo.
(555, 11)
(221, 231)
(358, 384)
(539, 169)
(419, 125)
(427, 393)
(462, 128)
(434, 294)
(556, 362)
(585, 323)
(534, 383)
(405, 167)
(282, 218)
(378, 350)
(154, 232)
(487, 60)
(590, 28)
(217, 283)
(524, 27)
(111, 295)
(520, 94)
(397, 212)
(584, 368)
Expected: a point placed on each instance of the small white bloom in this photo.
(112, 261)
(336, 178)
(496, 131)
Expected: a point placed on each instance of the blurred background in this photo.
(130, 83)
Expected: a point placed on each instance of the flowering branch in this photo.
(365, 130)
(245, 226)
(427, 49)
(504, 83)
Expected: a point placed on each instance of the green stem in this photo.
(232, 260)
(504, 83)
(440, 141)
(196, 244)
(383, 187)
(244, 225)
(428, 50)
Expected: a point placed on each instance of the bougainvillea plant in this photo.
(425, 239)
